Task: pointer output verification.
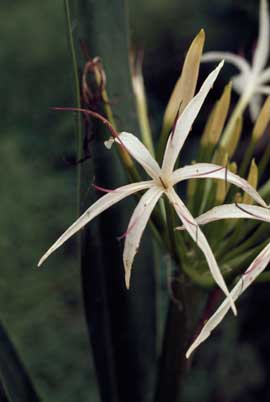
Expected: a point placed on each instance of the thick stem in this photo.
(172, 365)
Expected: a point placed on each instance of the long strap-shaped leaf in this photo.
(3, 394)
(15, 384)
(121, 324)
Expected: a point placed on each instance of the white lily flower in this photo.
(254, 79)
(233, 211)
(162, 181)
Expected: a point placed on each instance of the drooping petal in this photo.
(99, 206)
(198, 236)
(234, 211)
(254, 270)
(212, 171)
(184, 123)
(139, 152)
(262, 50)
(136, 227)
(263, 89)
(255, 105)
(238, 61)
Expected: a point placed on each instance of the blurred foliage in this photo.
(42, 309)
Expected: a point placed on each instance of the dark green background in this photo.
(42, 309)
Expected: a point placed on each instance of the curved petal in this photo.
(184, 123)
(198, 236)
(136, 227)
(262, 50)
(263, 89)
(139, 152)
(234, 211)
(212, 171)
(240, 82)
(253, 271)
(238, 61)
(99, 206)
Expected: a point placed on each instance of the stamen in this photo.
(255, 265)
(98, 116)
(247, 212)
(226, 177)
(210, 171)
(131, 226)
(103, 189)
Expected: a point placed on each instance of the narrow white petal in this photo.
(139, 152)
(99, 206)
(184, 123)
(198, 236)
(263, 89)
(234, 211)
(136, 227)
(262, 50)
(255, 105)
(238, 61)
(264, 76)
(254, 270)
(212, 171)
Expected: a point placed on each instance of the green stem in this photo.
(78, 118)
(172, 366)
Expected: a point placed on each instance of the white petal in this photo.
(136, 227)
(240, 82)
(212, 171)
(139, 152)
(264, 76)
(253, 271)
(99, 206)
(234, 211)
(255, 105)
(198, 236)
(263, 89)
(237, 61)
(262, 50)
(184, 123)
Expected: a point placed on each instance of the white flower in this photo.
(253, 80)
(162, 181)
(231, 211)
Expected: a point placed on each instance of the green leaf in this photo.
(16, 385)
(121, 323)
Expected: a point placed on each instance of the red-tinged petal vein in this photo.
(262, 50)
(136, 227)
(198, 236)
(139, 152)
(254, 270)
(212, 171)
(184, 123)
(97, 208)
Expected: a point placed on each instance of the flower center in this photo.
(164, 183)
